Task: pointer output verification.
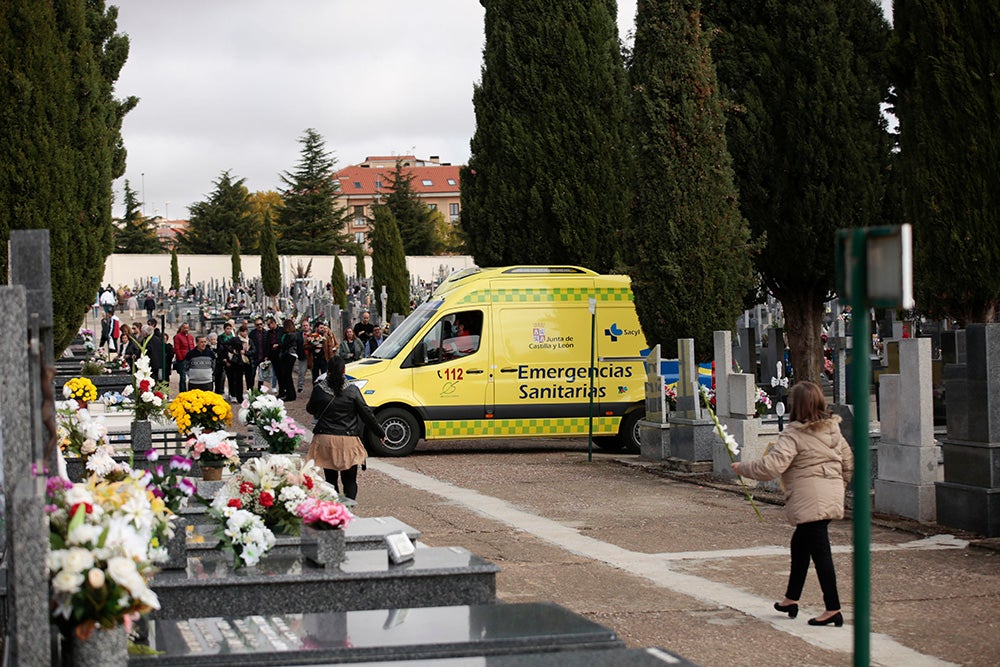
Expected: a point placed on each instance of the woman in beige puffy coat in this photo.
(815, 464)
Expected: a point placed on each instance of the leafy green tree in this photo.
(446, 237)
(312, 221)
(237, 263)
(137, 233)
(547, 180)
(60, 137)
(175, 272)
(214, 221)
(944, 61)
(389, 262)
(270, 271)
(261, 202)
(687, 244)
(809, 143)
(414, 217)
(338, 283)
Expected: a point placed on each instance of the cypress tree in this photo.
(136, 233)
(945, 58)
(270, 272)
(686, 246)
(60, 135)
(175, 272)
(547, 179)
(359, 261)
(237, 263)
(312, 221)
(389, 263)
(413, 216)
(338, 284)
(214, 221)
(809, 143)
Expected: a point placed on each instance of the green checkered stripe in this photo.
(501, 427)
(547, 295)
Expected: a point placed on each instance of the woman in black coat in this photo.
(341, 414)
(288, 356)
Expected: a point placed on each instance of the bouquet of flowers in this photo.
(169, 484)
(260, 408)
(315, 343)
(283, 437)
(115, 400)
(272, 487)
(732, 447)
(80, 389)
(78, 432)
(204, 410)
(100, 557)
(670, 393)
(323, 514)
(213, 447)
(88, 341)
(148, 395)
(763, 403)
(243, 534)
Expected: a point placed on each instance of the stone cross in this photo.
(656, 401)
(27, 328)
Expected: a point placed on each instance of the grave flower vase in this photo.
(325, 548)
(106, 647)
(211, 471)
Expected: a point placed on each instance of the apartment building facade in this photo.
(361, 185)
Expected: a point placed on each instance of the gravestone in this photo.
(907, 452)
(26, 328)
(772, 354)
(365, 580)
(840, 342)
(969, 496)
(735, 406)
(745, 350)
(654, 433)
(379, 635)
(690, 431)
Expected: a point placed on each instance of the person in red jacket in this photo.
(183, 343)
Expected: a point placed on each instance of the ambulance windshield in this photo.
(398, 338)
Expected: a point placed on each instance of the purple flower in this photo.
(186, 486)
(152, 455)
(157, 492)
(159, 471)
(180, 463)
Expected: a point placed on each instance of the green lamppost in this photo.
(874, 268)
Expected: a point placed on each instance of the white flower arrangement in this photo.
(248, 538)
(100, 554)
(261, 408)
(732, 447)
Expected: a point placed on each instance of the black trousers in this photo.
(349, 477)
(234, 376)
(286, 385)
(812, 541)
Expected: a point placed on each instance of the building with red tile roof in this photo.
(361, 185)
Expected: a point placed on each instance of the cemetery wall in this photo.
(125, 270)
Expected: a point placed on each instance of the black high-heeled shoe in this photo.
(791, 609)
(837, 619)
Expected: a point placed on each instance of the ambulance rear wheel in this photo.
(401, 433)
(628, 432)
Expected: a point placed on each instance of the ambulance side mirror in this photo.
(419, 355)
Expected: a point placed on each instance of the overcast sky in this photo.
(233, 85)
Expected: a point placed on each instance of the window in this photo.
(455, 335)
(451, 181)
(378, 183)
(359, 238)
(359, 217)
(432, 207)
(427, 182)
(357, 185)
(453, 212)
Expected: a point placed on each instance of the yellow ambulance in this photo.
(506, 352)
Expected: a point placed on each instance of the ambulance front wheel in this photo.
(628, 432)
(401, 433)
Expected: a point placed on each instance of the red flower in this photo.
(87, 508)
(235, 502)
(145, 386)
(266, 499)
(246, 487)
(307, 481)
(159, 395)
